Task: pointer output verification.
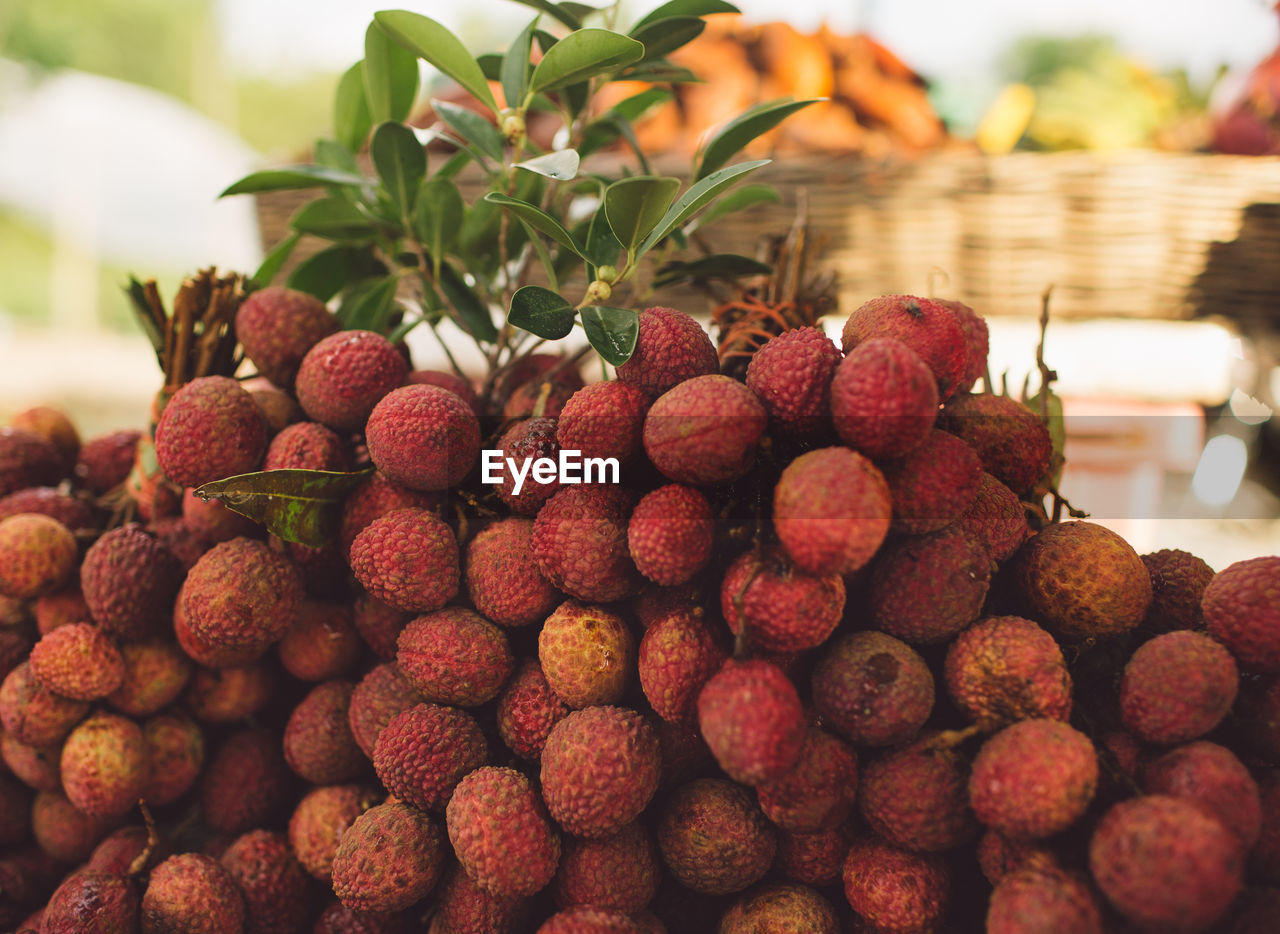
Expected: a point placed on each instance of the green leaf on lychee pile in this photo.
(1057, 425)
(390, 76)
(562, 165)
(435, 44)
(291, 177)
(515, 71)
(401, 162)
(333, 219)
(663, 36)
(371, 308)
(326, 273)
(602, 246)
(748, 196)
(351, 118)
(582, 55)
(634, 206)
(698, 196)
(611, 331)
(741, 130)
(471, 127)
(536, 218)
(684, 8)
(714, 266)
(274, 261)
(301, 506)
(542, 312)
(473, 314)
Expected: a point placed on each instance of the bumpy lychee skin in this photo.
(1080, 581)
(408, 559)
(546, 395)
(526, 442)
(895, 890)
(782, 906)
(381, 694)
(527, 710)
(1010, 440)
(825, 534)
(91, 900)
(619, 872)
(996, 518)
(977, 341)
(589, 918)
(1038, 900)
(934, 484)
(27, 459)
(791, 375)
(376, 497)
(129, 580)
(390, 857)
(678, 654)
(271, 880)
(423, 437)
(780, 607)
(604, 419)
(445, 379)
(64, 831)
(278, 407)
(670, 534)
(812, 858)
(600, 767)
(713, 838)
(466, 908)
(191, 892)
(1177, 686)
(1165, 865)
(318, 744)
(425, 750)
(344, 375)
(1178, 582)
(225, 695)
(210, 429)
(874, 689)
(501, 833)
(320, 821)
(751, 717)
(1211, 777)
(37, 555)
(277, 326)
(244, 782)
(78, 661)
(926, 326)
(241, 594)
(580, 543)
(503, 580)
(1006, 668)
(307, 446)
(72, 511)
(35, 766)
(175, 756)
(705, 430)
(999, 855)
(587, 654)
(884, 398)
(670, 347)
(818, 792)
(105, 461)
(454, 656)
(339, 919)
(1241, 606)
(1033, 779)
(33, 714)
(926, 589)
(322, 643)
(916, 797)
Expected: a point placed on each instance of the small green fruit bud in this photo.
(599, 290)
(607, 274)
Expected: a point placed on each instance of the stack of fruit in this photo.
(818, 662)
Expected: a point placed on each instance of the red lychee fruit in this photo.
(37, 555)
(423, 752)
(1177, 686)
(175, 756)
(191, 892)
(884, 399)
(454, 656)
(503, 580)
(705, 430)
(525, 444)
(274, 885)
(277, 326)
(322, 642)
(463, 906)
(225, 695)
(583, 918)
(71, 510)
(874, 689)
(64, 831)
(1005, 668)
(894, 890)
(1241, 606)
(580, 543)
(812, 858)
(35, 766)
(1040, 900)
(818, 792)
(1256, 715)
(1178, 582)
(604, 419)
(213, 522)
(376, 497)
(391, 857)
(408, 559)
(751, 717)
(307, 446)
(1165, 865)
(105, 461)
(916, 797)
(926, 326)
(977, 340)
(54, 426)
(91, 900)
(78, 661)
(318, 743)
(1211, 777)
(619, 872)
(791, 375)
(996, 518)
(527, 710)
(825, 534)
(209, 430)
(27, 459)
(1033, 779)
(926, 589)
(713, 838)
(934, 484)
(343, 376)
(33, 714)
(378, 624)
(129, 581)
(670, 348)
(319, 822)
(776, 606)
(241, 595)
(1010, 440)
(245, 782)
(279, 408)
(678, 654)
(423, 437)
(445, 379)
(670, 534)
(381, 694)
(542, 396)
(781, 906)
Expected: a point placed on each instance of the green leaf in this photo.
(472, 127)
(747, 196)
(638, 106)
(273, 261)
(335, 155)
(390, 76)
(742, 129)
(454, 164)
(634, 206)
(697, 197)
(327, 272)
(351, 118)
(713, 266)
(664, 36)
(549, 265)
(490, 65)
(536, 218)
(542, 312)
(684, 8)
(602, 246)
(564, 13)
(291, 177)
(515, 66)
(401, 162)
(301, 506)
(581, 55)
(371, 309)
(561, 165)
(611, 331)
(438, 215)
(1057, 426)
(433, 43)
(659, 72)
(578, 10)
(473, 314)
(401, 330)
(333, 219)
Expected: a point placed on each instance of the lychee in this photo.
(445, 379)
(454, 656)
(503, 581)
(274, 886)
(587, 654)
(388, 859)
(209, 430)
(343, 376)
(423, 437)
(818, 792)
(751, 717)
(1005, 668)
(678, 654)
(321, 643)
(105, 461)
(1211, 777)
(527, 710)
(916, 797)
(1177, 686)
(713, 838)
(408, 559)
(996, 518)
(318, 744)
(933, 485)
(78, 661)
(175, 756)
(245, 781)
(1031, 899)
(191, 892)
(376, 497)
(37, 555)
(307, 446)
(781, 906)
(704, 430)
(670, 534)
(580, 543)
(1241, 606)
(874, 689)
(812, 858)
(381, 694)
(129, 580)
(791, 376)
(619, 872)
(926, 589)
(27, 459)
(926, 326)
(884, 399)
(525, 444)
(894, 890)
(670, 348)
(423, 752)
(320, 821)
(777, 607)
(277, 326)
(604, 419)
(91, 900)
(1010, 440)
(33, 714)
(241, 595)
(1178, 582)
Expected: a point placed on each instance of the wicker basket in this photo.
(1136, 234)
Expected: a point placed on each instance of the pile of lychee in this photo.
(817, 663)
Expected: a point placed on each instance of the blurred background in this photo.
(1126, 153)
